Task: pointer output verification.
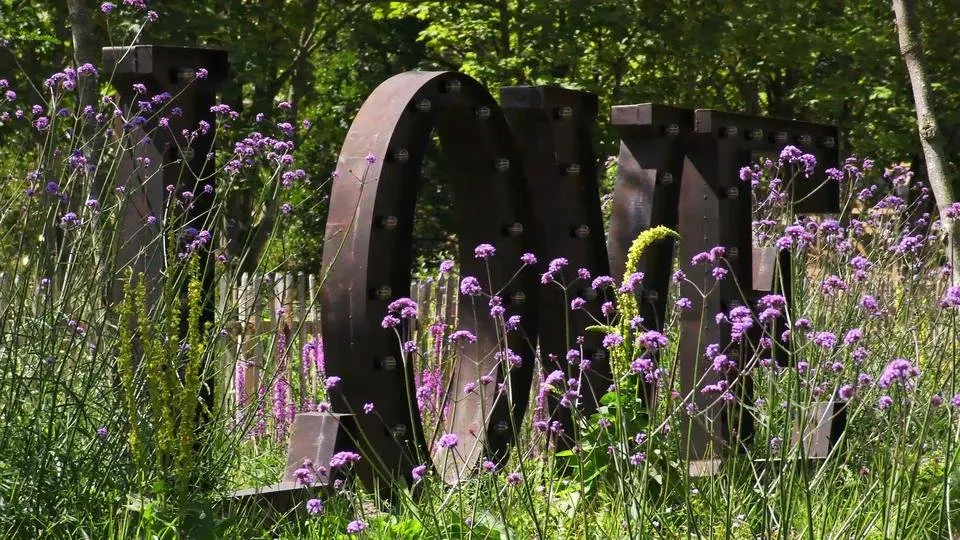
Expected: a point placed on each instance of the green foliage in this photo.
(72, 362)
(161, 395)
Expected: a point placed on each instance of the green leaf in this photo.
(601, 328)
(610, 398)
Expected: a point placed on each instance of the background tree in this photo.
(932, 140)
(822, 61)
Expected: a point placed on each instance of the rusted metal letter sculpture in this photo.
(170, 77)
(369, 256)
(553, 129)
(527, 181)
(679, 168)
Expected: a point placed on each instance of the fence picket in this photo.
(259, 298)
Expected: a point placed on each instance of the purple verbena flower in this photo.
(341, 459)
(314, 507)
(825, 340)
(470, 286)
(602, 281)
(304, 476)
(484, 251)
(462, 336)
(652, 340)
(884, 402)
(447, 440)
(557, 264)
(853, 336)
(356, 526)
(899, 370)
(612, 340)
(418, 472)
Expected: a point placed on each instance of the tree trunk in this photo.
(86, 49)
(932, 141)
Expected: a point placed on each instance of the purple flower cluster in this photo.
(447, 440)
(484, 251)
(342, 459)
(469, 286)
(554, 270)
(899, 371)
(652, 340)
(792, 154)
(356, 526)
(314, 507)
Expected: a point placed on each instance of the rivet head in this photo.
(187, 153)
(399, 430)
(384, 292)
(518, 297)
(672, 130)
(482, 112)
(805, 139)
(781, 137)
(666, 178)
(733, 192)
(401, 155)
(573, 169)
(502, 426)
(453, 86)
(423, 105)
(186, 75)
(728, 131)
(829, 142)
(387, 363)
(502, 165)
(581, 231)
(564, 113)
(515, 229)
(389, 223)
(755, 134)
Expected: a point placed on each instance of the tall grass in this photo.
(110, 427)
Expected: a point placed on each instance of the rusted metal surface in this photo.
(172, 70)
(709, 207)
(760, 135)
(772, 270)
(714, 211)
(553, 129)
(368, 258)
(652, 146)
(317, 436)
(532, 186)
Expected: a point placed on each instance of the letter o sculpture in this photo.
(367, 260)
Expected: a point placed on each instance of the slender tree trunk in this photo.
(86, 49)
(932, 140)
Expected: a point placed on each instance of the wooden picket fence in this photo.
(261, 307)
